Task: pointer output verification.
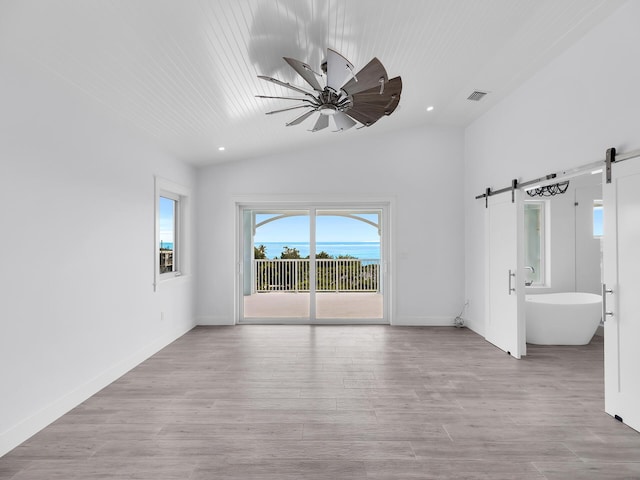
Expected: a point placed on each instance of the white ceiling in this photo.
(184, 72)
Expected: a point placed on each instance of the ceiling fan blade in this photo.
(338, 69)
(361, 117)
(390, 108)
(301, 118)
(390, 89)
(287, 109)
(285, 84)
(321, 123)
(305, 72)
(300, 99)
(368, 77)
(343, 121)
(385, 106)
(372, 112)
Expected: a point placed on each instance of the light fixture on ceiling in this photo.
(348, 98)
(430, 108)
(548, 190)
(221, 149)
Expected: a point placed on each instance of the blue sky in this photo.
(328, 229)
(597, 221)
(167, 220)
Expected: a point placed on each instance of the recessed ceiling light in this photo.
(430, 108)
(221, 149)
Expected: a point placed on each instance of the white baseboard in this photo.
(14, 436)
(399, 321)
(422, 321)
(323, 321)
(474, 327)
(213, 320)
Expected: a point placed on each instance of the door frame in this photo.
(313, 203)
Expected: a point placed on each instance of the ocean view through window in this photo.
(305, 265)
(167, 222)
(172, 236)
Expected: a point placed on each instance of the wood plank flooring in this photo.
(340, 402)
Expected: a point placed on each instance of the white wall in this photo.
(567, 115)
(588, 267)
(77, 215)
(421, 169)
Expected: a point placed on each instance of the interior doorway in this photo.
(313, 264)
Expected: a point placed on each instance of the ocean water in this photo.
(364, 250)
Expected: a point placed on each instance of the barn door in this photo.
(504, 285)
(621, 299)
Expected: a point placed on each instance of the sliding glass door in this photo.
(348, 281)
(312, 265)
(276, 267)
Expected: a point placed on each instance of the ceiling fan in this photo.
(348, 98)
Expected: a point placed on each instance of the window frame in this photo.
(544, 242)
(179, 194)
(176, 234)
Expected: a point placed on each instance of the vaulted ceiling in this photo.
(184, 73)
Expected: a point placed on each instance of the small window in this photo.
(534, 242)
(171, 232)
(168, 220)
(598, 229)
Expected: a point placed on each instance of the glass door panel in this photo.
(348, 264)
(276, 264)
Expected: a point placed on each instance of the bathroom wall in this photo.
(573, 253)
(565, 116)
(588, 253)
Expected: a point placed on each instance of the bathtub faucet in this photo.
(533, 270)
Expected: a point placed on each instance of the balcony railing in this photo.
(332, 275)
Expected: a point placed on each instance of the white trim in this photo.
(180, 193)
(545, 240)
(386, 203)
(317, 321)
(14, 436)
(424, 321)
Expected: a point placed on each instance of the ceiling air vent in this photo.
(476, 96)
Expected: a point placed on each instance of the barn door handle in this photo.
(605, 313)
(511, 275)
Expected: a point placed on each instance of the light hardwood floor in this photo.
(340, 402)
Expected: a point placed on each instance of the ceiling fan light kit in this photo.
(347, 98)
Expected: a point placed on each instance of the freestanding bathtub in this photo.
(570, 318)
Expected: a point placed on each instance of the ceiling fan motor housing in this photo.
(347, 98)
